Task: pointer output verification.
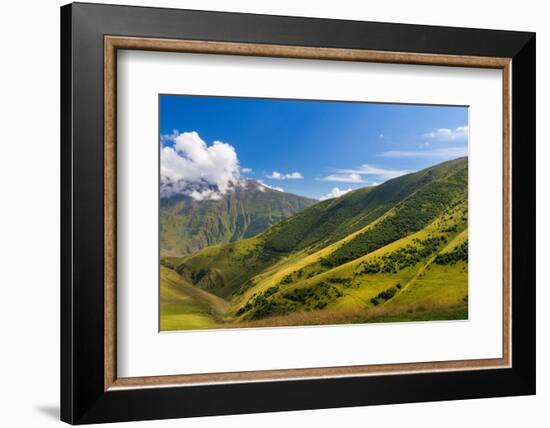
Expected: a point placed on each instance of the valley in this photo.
(394, 252)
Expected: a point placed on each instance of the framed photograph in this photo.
(266, 213)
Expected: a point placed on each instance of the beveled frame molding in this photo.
(114, 43)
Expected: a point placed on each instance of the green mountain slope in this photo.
(394, 252)
(412, 214)
(186, 307)
(331, 220)
(366, 287)
(188, 225)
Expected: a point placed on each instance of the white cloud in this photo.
(246, 170)
(193, 168)
(205, 194)
(446, 134)
(264, 186)
(356, 175)
(335, 193)
(280, 176)
(366, 169)
(441, 153)
(344, 178)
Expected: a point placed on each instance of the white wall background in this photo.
(29, 216)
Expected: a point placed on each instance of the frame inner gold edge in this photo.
(112, 43)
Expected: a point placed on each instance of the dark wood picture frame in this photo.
(90, 37)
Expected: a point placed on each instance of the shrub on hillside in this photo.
(346, 282)
(403, 257)
(385, 295)
(314, 296)
(287, 280)
(458, 254)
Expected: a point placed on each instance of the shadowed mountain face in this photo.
(188, 225)
(394, 252)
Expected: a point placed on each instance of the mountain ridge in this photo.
(188, 225)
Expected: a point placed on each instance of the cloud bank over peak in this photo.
(262, 186)
(189, 166)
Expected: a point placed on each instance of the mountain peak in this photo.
(202, 216)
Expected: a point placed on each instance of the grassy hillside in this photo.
(184, 307)
(369, 282)
(331, 220)
(188, 225)
(394, 252)
(410, 215)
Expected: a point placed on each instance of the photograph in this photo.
(291, 212)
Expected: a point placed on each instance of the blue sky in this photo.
(310, 147)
